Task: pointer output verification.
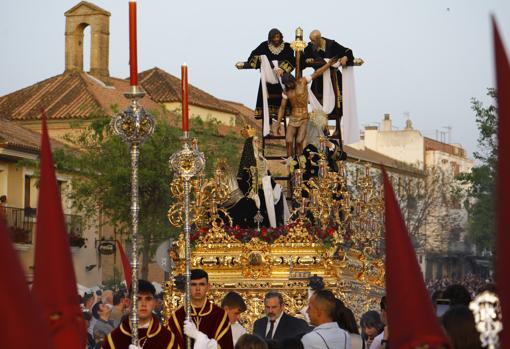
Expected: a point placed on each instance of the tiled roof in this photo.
(376, 158)
(452, 149)
(13, 136)
(163, 87)
(245, 115)
(68, 96)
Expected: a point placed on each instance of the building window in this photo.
(27, 191)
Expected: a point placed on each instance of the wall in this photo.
(56, 129)
(403, 145)
(204, 113)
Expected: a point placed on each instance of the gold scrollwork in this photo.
(256, 259)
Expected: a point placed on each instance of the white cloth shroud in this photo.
(279, 195)
(269, 200)
(267, 76)
(351, 133)
(350, 129)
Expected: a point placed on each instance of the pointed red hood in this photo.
(502, 185)
(21, 324)
(54, 280)
(411, 317)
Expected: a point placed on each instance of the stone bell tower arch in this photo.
(78, 18)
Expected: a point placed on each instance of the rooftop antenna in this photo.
(448, 133)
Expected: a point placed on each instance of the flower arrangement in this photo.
(270, 234)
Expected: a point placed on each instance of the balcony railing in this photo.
(22, 221)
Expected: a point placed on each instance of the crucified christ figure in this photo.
(296, 92)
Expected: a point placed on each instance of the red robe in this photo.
(155, 336)
(211, 320)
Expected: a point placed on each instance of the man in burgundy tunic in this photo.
(207, 317)
(151, 333)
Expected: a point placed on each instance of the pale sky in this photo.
(424, 58)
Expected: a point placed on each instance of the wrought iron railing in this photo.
(21, 224)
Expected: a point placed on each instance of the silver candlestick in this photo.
(259, 218)
(187, 163)
(134, 126)
(487, 312)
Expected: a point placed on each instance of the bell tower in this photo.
(78, 18)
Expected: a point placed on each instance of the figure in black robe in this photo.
(240, 208)
(275, 50)
(252, 168)
(314, 55)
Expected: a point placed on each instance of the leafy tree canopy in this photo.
(103, 174)
(482, 179)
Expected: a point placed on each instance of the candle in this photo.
(133, 62)
(184, 84)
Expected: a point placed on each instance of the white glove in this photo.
(212, 344)
(201, 339)
(132, 346)
(191, 330)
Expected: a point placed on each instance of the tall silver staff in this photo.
(134, 126)
(187, 163)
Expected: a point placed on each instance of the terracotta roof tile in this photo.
(67, 96)
(164, 87)
(245, 115)
(13, 136)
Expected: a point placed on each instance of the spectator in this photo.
(91, 343)
(327, 334)
(277, 324)
(88, 303)
(459, 324)
(371, 326)
(107, 297)
(104, 325)
(119, 308)
(346, 321)
(382, 338)
(250, 341)
(457, 294)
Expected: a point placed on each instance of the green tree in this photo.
(482, 180)
(102, 181)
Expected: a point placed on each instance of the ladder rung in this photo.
(274, 137)
(274, 157)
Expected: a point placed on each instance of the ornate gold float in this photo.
(335, 233)
(348, 259)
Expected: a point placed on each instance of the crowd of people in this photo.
(328, 322)
(473, 283)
